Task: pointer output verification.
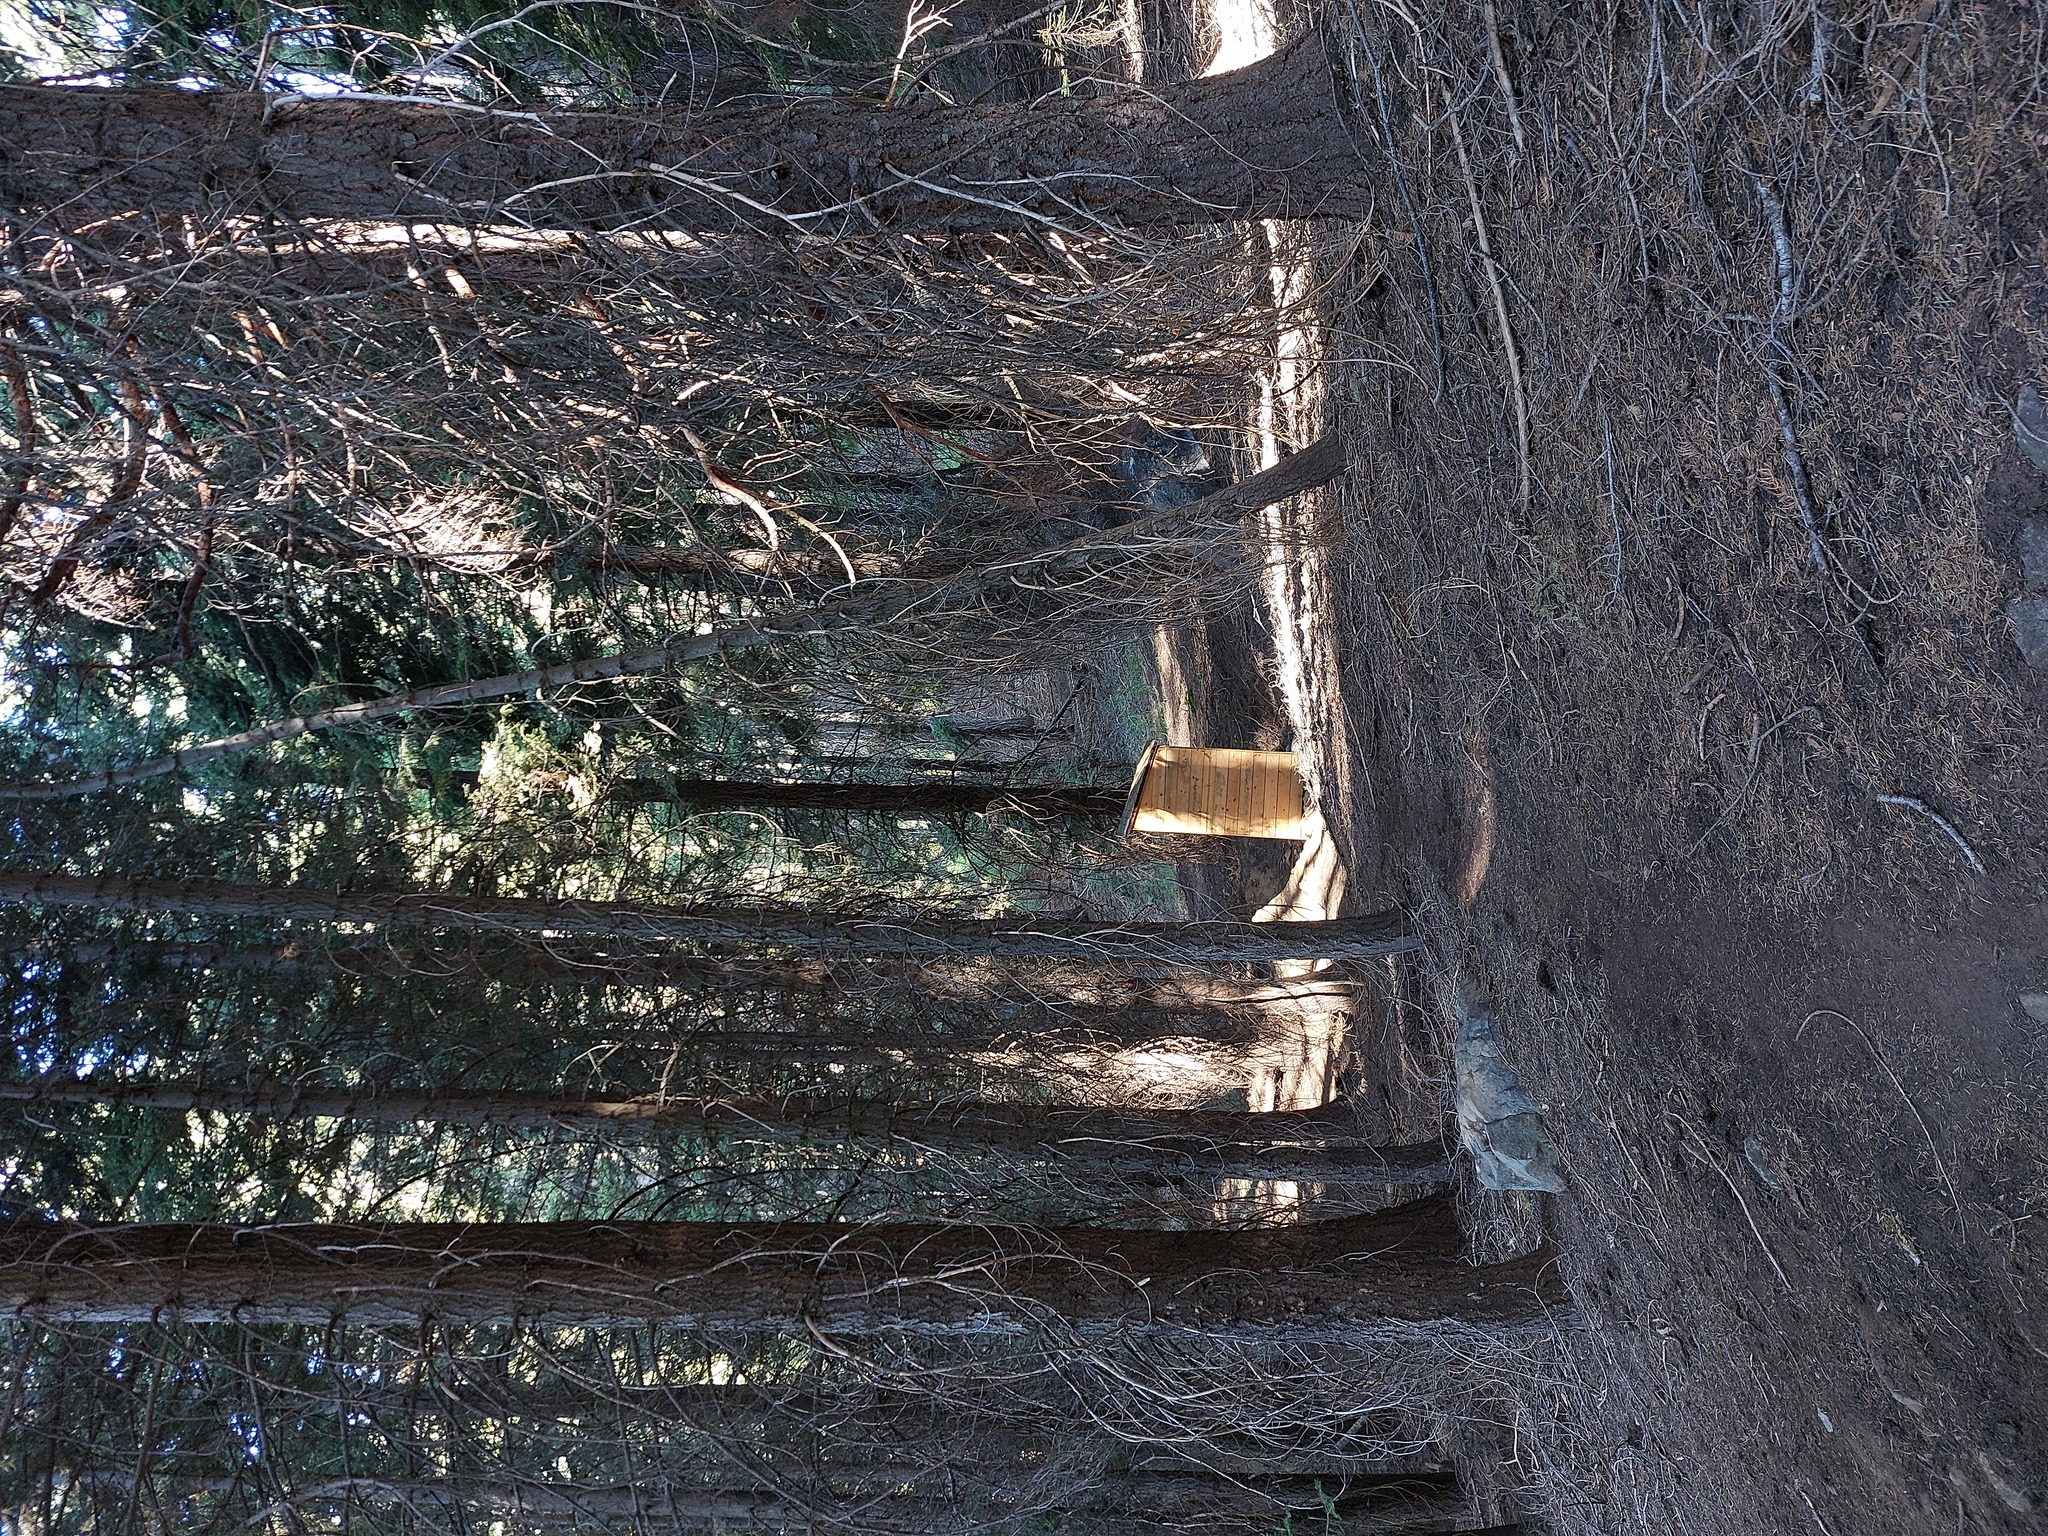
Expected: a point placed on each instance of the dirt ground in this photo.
(1627, 742)
(1680, 704)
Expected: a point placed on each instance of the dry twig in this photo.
(1500, 309)
(1915, 803)
(1934, 1151)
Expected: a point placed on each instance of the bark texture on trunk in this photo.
(797, 929)
(1305, 1145)
(1317, 1281)
(1266, 141)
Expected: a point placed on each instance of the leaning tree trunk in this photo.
(800, 930)
(1315, 1146)
(1267, 141)
(1321, 1281)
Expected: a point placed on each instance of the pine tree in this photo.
(800, 930)
(1266, 141)
(1303, 1283)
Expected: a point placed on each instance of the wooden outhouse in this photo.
(1216, 791)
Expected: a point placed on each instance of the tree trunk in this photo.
(1310, 1146)
(848, 1038)
(506, 961)
(928, 798)
(796, 929)
(1089, 998)
(889, 1498)
(1267, 141)
(801, 1007)
(1321, 1281)
(887, 1494)
(1165, 1073)
(933, 799)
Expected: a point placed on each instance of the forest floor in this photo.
(1678, 699)
(1658, 766)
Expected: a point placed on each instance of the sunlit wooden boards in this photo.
(1216, 792)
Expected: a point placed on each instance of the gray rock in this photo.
(1500, 1125)
(1164, 469)
(2033, 547)
(1760, 1160)
(2030, 426)
(2035, 1006)
(1152, 451)
(2029, 617)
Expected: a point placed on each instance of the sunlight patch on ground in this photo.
(1176, 698)
(1314, 892)
(1290, 409)
(1289, 415)
(1297, 594)
(1315, 888)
